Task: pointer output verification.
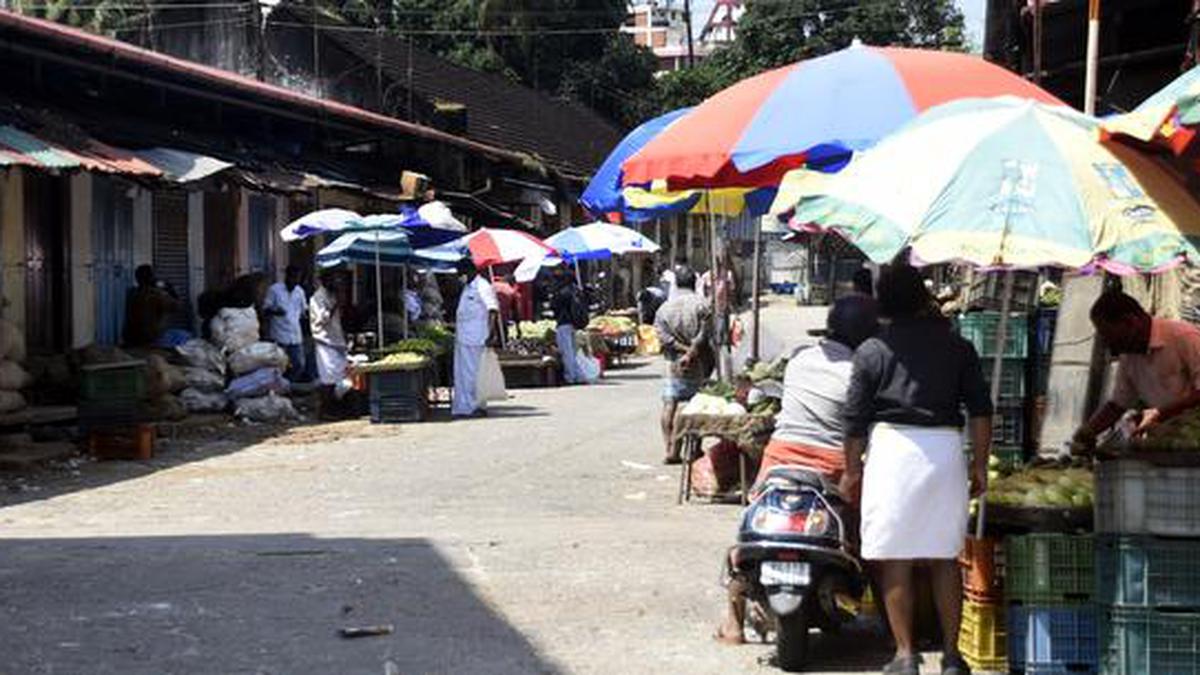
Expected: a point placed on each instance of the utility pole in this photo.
(1093, 57)
(687, 16)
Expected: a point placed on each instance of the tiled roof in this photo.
(499, 112)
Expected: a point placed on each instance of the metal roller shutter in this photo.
(171, 247)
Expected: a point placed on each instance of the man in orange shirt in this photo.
(1159, 366)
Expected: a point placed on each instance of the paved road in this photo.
(542, 539)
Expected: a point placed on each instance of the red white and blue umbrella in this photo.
(488, 247)
(815, 112)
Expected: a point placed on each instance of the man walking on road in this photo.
(285, 305)
(475, 328)
(684, 327)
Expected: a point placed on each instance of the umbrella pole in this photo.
(997, 370)
(378, 295)
(503, 328)
(756, 289)
(404, 299)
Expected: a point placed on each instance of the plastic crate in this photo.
(1150, 642)
(982, 562)
(1012, 377)
(1134, 497)
(1049, 569)
(113, 381)
(987, 289)
(1008, 426)
(1009, 456)
(402, 383)
(396, 409)
(982, 639)
(1053, 639)
(134, 442)
(980, 328)
(1045, 322)
(1148, 572)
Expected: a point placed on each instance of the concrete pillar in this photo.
(12, 237)
(143, 227)
(83, 300)
(243, 231)
(195, 224)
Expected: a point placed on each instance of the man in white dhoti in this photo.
(476, 321)
(325, 320)
(908, 387)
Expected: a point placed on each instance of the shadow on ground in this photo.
(246, 604)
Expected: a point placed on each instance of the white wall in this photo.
(195, 215)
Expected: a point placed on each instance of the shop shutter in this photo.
(262, 227)
(171, 261)
(112, 248)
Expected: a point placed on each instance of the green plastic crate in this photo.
(1009, 456)
(1150, 642)
(1049, 569)
(109, 382)
(980, 328)
(1012, 377)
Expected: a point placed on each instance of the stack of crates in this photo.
(112, 399)
(982, 638)
(980, 329)
(1052, 622)
(1148, 567)
(400, 395)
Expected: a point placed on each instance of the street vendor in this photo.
(569, 312)
(684, 327)
(148, 307)
(476, 323)
(285, 305)
(325, 320)
(1158, 368)
(809, 429)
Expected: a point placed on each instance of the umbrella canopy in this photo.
(600, 240)
(324, 221)
(488, 247)
(395, 249)
(818, 110)
(1165, 116)
(430, 225)
(1008, 182)
(603, 193)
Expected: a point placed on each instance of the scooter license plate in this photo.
(776, 573)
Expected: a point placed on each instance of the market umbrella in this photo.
(600, 240)
(815, 111)
(603, 194)
(1006, 182)
(324, 221)
(430, 224)
(488, 246)
(1166, 117)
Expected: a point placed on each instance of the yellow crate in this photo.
(982, 639)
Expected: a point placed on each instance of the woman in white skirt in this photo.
(908, 389)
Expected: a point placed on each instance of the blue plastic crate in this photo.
(1053, 639)
(1134, 571)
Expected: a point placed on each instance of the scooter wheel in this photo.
(791, 645)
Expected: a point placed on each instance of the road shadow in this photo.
(246, 604)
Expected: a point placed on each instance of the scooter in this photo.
(794, 558)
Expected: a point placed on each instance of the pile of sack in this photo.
(13, 377)
(163, 382)
(254, 369)
(203, 377)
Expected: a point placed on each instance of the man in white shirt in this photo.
(285, 305)
(325, 319)
(476, 320)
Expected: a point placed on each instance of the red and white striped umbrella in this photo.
(495, 247)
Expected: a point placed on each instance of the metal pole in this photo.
(404, 299)
(1037, 41)
(997, 371)
(756, 339)
(1093, 57)
(687, 15)
(378, 294)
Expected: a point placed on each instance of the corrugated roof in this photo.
(181, 166)
(21, 148)
(566, 135)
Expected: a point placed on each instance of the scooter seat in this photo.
(800, 476)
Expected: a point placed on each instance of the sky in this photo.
(972, 9)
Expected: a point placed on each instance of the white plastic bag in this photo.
(489, 384)
(258, 383)
(204, 381)
(197, 401)
(13, 376)
(234, 328)
(589, 367)
(256, 357)
(203, 354)
(269, 408)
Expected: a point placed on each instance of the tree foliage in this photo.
(773, 34)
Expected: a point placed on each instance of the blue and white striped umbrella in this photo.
(599, 241)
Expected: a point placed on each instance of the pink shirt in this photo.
(1169, 372)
